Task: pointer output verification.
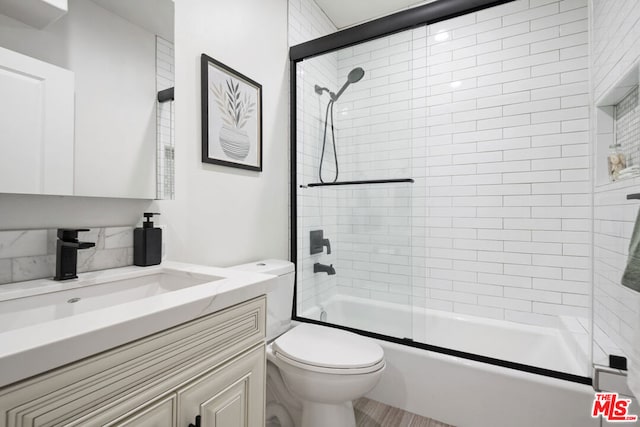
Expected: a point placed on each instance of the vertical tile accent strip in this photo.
(165, 166)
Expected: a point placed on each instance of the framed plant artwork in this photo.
(231, 117)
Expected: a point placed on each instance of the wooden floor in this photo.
(370, 413)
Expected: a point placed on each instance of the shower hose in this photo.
(324, 142)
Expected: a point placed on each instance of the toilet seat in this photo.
(334, 371)
(328, 350)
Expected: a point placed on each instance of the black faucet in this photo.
(321, 268)
(67, 253)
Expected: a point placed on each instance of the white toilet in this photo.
(313, 372)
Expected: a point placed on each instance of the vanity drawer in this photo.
(128, 375)
(160, 413)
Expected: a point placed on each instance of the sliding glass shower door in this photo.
(447, 167)
(355, 188)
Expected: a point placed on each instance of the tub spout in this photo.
(321, 268)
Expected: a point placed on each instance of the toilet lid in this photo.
(328, 347)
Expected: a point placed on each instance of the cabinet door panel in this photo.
(227, 408)
(231, 396)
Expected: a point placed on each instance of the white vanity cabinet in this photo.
(212, 367)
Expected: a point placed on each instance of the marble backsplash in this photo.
(31, 254)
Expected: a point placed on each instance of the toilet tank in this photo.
(280, 298)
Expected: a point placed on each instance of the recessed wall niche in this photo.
(618, 123)
(627, 127)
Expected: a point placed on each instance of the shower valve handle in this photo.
(325, 242)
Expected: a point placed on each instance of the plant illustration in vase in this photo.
(236, 109)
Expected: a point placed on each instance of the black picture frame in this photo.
(231, 111)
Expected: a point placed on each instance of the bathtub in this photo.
(464, 392)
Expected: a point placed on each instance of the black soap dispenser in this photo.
(147, 243)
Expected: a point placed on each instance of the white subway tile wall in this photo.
(616, 42)
(489, 113)
(375, 245)
(30, 254)
(316, 206)
(615, 49)
(381, 254)
(615, 307)
(165, 168)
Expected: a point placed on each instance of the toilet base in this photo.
(323, 414)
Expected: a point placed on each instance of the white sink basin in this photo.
(57, 304)
(45, 324)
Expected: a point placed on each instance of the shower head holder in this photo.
(319, 89)
(354, 76)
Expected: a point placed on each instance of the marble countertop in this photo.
(30, 350)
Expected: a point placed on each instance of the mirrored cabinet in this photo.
(81, 114)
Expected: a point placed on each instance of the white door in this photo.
(36, 126)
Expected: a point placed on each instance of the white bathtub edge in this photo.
(467, 393)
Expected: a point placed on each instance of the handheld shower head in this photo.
(354, 76)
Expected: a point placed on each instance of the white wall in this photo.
(615, 41)
(616, 47)
(221, 216)
(508, 176)
(224, 216)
